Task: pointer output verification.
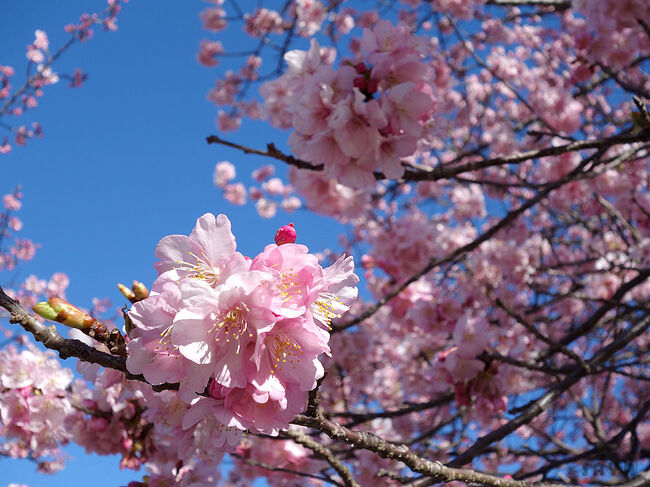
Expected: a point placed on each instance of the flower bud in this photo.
(360, 68)
(126, 292)
(44, 310)
(59, 310)
(360, 83)
(286, 234)
(140, 290)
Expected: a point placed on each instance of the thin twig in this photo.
(536, 407)
(271, 468)
(324, 453)
(558, 4)
(510, 217)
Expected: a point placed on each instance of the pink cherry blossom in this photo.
(209, 52)
(151, 349)
(224, 172)
(309, 15)
(207, 254)
(235, 193)
(250, 331)
(57, 285)
(227, 122)
(11, 203)
(266, 208)
(488, 164)
(262, 22)
(217, 326)
(295, 270)
(41, 41)
(263, 173)
(213, 18)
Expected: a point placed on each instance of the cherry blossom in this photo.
(486, 163)
(245, 329)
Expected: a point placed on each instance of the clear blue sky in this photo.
(122, 163)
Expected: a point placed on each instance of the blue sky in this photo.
(124, 162)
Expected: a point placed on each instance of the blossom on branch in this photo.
(246, 333)
(362, 117)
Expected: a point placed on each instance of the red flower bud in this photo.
(360, 68)
(286, 234)
(360, 83)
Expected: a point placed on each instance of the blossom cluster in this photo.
(20, 250)
(450, 347)
(620, 34)
(33, 405)
(285, 454)
(362, 117)
(42, 408)
(271, 194)
(40, 73)
(125, 417)
(242, 336)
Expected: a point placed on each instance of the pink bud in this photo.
(367, 261)
(286, 234)
(360, 83)
(360, 68)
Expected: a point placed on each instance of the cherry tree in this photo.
(488, 160)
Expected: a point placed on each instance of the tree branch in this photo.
(535, 408)
(271, 151)
(324, 453)
(435, 469)
(271, 468)
(610, 304)
(358, 418)
(421, 173)
(558, 4)
(510, 217)
(68, 347)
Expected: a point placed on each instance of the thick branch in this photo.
(642, 480)
(49, 336)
